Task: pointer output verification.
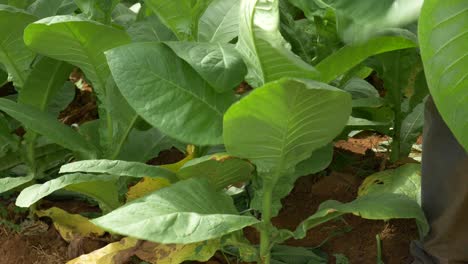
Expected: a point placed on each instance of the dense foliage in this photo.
(166, 75)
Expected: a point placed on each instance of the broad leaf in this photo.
(351, 55)
(48, 126)
(220, 22)
(403, 180)
(187, 212)
(45, 8)
(14, 55)
(77, 41)
(443, 37)
(220, 65)
(119, 168)
(180, 15)
(222, 170)
(282, 123)
(102, 188)
(383, 206)
(43, 83)
(265, 51)
(166, 92)
(150, 29)
(9, 183)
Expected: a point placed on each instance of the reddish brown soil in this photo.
(44, 248)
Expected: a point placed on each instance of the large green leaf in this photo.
(48, 126)
(9, 183)
(119, 168)
(351, 55)
(443, 36)
(150, 29)
(180, 16)
(77, 41)
(43, 83)
(265, 51)
(45, 8)
(220, 22)
(13, 53)
(220, 65)
(166, 92)
(282, 123)
(186, 212)
(383, 206)
(403, 180)
(103, 188)
(221, 169)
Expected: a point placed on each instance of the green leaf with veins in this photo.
(119, 168)
(166, 92)
(403, 180)
(44, 82)
(48, 126)
(282, 123)
(220, 22)
(265, 51)
(150, 29)
(181, 16)
(77, 41)
(220, 169)
(14, 55)
(351, 55)
(219, 64)
(103, 188)
(443, 35)
(186, 212)
(9, 183)
(382, 206)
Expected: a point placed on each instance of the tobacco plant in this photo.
(170, 71)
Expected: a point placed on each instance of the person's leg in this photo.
(444, 194)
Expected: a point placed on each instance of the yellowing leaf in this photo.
(69, 225)
(175, 167)
(175, 254)
(145, 186)
(117, 252)
(122, 251)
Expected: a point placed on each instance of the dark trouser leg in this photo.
(444, 194)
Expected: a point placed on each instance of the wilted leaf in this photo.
(70, 226)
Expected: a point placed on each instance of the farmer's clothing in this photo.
(444, 194)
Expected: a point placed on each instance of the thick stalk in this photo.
(265, 256)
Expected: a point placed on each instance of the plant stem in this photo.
(265, 232)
